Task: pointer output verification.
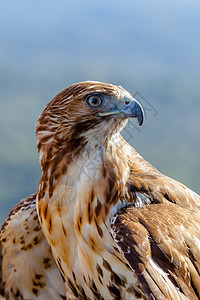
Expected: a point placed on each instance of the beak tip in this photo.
(140, 119)
(137, 112)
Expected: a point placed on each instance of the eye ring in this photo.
(94, 100)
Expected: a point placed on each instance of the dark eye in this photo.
(94, 100)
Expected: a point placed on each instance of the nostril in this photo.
(127, 102)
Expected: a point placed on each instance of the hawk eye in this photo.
(94, 100)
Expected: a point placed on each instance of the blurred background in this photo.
(151, 48)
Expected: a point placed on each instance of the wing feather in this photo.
(161, 243)
(28, 267)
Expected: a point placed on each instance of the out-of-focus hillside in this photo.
(152, 48)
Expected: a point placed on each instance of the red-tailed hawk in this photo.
(116, 227)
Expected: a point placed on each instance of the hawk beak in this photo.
(131, 110)
(134, 110)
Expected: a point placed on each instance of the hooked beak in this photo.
(131, 110)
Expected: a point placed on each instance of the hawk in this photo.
(115, 227)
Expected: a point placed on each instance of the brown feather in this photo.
(27, 266)
(161, 232)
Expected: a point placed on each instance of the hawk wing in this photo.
(159, 235)
(28, 267)
(161, 243)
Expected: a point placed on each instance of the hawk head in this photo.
(86, 114)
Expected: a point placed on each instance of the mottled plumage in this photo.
(117, 228)
(29, 270)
